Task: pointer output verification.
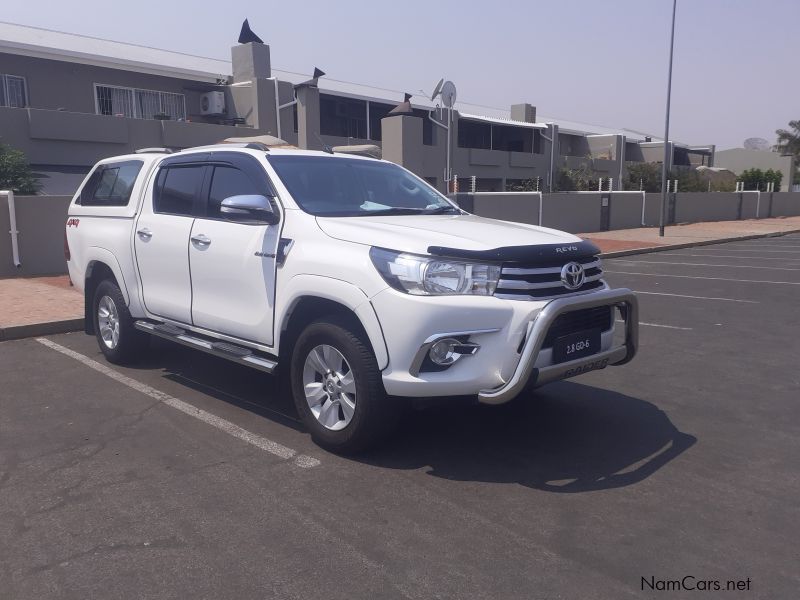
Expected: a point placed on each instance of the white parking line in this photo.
(745, 250)
(761, 246)
(659, 325)
(301, 460)
(696, 297)
(664, 262)
(697, 277)
(728, 256)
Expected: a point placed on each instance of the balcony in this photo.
(91, 137)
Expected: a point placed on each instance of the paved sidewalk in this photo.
(45, 305)
(633, 241)
(38, 306)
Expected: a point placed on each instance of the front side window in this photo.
(12, 91)
(227, 182)
(177, 188)
(347, 187)
(111, 184)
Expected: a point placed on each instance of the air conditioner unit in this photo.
(212, 103)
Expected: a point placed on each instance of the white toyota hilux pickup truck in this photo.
(367, 285)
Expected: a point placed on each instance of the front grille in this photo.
(598, 317)
(525, 282)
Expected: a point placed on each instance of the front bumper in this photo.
(527, 374)
(501, 328)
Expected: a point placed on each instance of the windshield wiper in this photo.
(404, 210)
(398, 210)
(441, 210)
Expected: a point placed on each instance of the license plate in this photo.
(576, 345)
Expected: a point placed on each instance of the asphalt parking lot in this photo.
(188, 477)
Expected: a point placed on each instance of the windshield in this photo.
(348, 187)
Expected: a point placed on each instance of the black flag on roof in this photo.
(246, 35)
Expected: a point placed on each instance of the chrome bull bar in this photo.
(526, 374)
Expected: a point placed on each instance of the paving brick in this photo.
(692, 233)
(28, 301)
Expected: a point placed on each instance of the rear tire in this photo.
(118, 339)
(337, 387)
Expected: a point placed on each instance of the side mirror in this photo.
(249, 207)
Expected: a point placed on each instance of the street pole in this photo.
(667, 157)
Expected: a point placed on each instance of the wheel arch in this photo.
(329, 297)
(99, 269)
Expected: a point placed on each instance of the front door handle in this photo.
(201, 240)
(144, 234)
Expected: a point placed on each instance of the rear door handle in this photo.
(144, 233)
(201, 240)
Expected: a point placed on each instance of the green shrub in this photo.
(646, 176)
(581, 179)
(689, 180)
(523, 185)
(15, 172)
(756, 179)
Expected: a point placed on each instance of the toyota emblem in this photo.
(572, 275)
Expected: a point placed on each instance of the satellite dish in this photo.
(449, 94)
(437, 90)
(756, 143)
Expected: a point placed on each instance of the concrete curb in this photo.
(18, 332)
(651, 249)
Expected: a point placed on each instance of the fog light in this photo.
(442, 352)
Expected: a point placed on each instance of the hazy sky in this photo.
(736, 72)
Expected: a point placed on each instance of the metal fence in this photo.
(139, 104)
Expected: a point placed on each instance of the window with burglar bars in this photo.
(139, 104)
(12, 91)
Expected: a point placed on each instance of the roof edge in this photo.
(110, 62)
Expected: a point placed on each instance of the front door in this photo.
(161, 240)
(233, 263)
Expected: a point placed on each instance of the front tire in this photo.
(337, 387)
(118, 339)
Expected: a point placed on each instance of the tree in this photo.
(689, 180)
(582, 179)
(646, 176)
(756, 179)
(789, 139)
(751, 178)
(774, 177)
(789, 143)
(15, 172)
(523, 185)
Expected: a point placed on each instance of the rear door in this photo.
(233, 263)
(161, 240)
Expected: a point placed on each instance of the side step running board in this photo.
(226, 350)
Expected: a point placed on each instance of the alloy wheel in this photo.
(330, 387)
(108, 322)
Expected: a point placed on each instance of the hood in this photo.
(416, 233)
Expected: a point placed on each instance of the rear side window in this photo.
(111, 184)
(227, 182)
(177, 188)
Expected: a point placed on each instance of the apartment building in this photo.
(68, 100)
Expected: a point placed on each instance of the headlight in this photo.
(430, 276)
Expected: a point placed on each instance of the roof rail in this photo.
(257, 146)
(154, 151)
(221, 146)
